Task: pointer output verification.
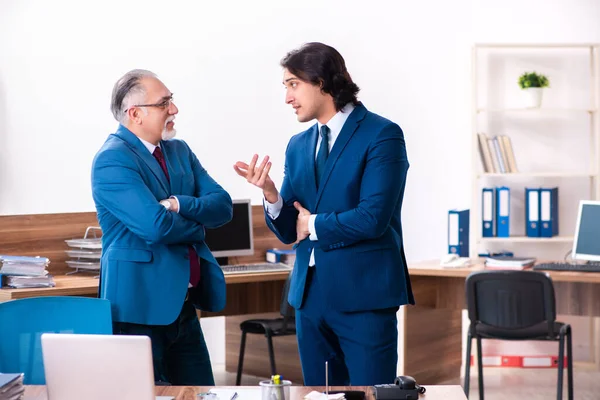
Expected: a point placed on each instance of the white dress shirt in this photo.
(335, 125)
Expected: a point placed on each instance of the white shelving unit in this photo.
(566, 109)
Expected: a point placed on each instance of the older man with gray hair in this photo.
(154, 200)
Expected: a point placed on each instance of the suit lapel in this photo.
(342, 140)
(310, 151)
(141, 151)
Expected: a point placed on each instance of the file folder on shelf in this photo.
(458, 232)
(488, 220)
(532, 212)
(503, 211)
(549, 212)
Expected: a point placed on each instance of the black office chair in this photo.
(515, 305)
(270, 328)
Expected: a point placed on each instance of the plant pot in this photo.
(533, 97)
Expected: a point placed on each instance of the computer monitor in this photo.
(235, 237)
(586, 245)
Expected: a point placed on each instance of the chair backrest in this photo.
(24, 320)
(510, 300)
(285, 309)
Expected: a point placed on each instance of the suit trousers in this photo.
(361, 348)
(179, 351)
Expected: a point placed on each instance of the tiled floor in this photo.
(533, 384)
(500, 383)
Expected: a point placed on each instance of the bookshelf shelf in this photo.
(525, 239)
(577, 102)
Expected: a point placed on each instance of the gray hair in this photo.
(127, 91)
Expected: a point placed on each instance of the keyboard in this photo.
(555, 266)
(255, 268)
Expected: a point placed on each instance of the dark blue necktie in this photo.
(322, 154)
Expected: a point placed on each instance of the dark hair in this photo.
(323, 65)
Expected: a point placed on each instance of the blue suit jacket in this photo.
(359, 253)
(145, 262)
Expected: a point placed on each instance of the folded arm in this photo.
(118, 186)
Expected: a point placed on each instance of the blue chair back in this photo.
(23, 321)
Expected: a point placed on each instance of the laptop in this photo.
(98, 367)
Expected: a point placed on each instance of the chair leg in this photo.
(561, 357)
(569, 363)
(271, 354)
(480, 367)
(238, 378)
(468, 366)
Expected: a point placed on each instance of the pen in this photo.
(234, 396)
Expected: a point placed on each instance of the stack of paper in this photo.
(11, 386)
(506, 262)
(24, 272)
(20, 265)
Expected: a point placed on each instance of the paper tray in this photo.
(95, 266)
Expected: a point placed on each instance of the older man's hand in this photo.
(302, 231)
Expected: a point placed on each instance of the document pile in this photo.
(11, 386)
(24, 272)
(506, 262)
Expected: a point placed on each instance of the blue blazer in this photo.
(145, 260)
(359, 254)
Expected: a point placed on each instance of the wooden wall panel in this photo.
(45, 234)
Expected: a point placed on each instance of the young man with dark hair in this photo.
(340, 203)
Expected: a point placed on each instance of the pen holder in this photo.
(271, 391)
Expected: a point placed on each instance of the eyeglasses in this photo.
(162, 105)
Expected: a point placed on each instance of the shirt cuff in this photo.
(273, 209)
(177, 200)
(311, 227)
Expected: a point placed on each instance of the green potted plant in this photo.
(532, 84)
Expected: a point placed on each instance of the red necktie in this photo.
(194, 263)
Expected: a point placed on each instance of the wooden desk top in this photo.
(434, 392)
(433, 268)
(86, 285)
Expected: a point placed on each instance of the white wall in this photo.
(59, 60)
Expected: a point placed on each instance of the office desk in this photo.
(430, 333)
(246, 293)
(454, 392)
